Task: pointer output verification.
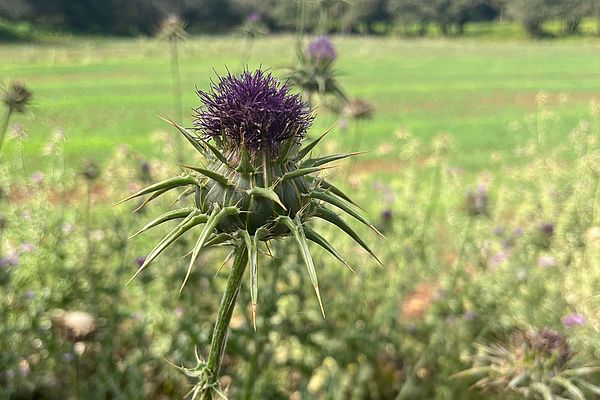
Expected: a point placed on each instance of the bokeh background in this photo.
(481, 122)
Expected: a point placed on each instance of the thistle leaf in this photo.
(183, 195)
(588, 386)
(164, 185)
(542, 389)
(333, 189)
(307, 149)
(210, 174)
(321, 241)
(331, 217)
(301, 172)
(189, 222)
(329, 198)
(252, 246)
(193, 139)
(218, 154)
(295, 227)
(573, 390)
(267, 193)
(315, 162)
(150, 198)
(168, 216)
(214, 218)
(284, 154)
(245, 164)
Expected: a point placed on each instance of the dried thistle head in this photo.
(534, 364)
(359, 109)
(16, 97)
(172, 28)
(257, 180)
(90, 170)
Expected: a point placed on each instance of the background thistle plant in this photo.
(16, 98)
(257, 182)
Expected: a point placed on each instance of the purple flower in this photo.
(145, 168)
(9, 261)
(67, 227)
(499, 257)
(37, 178)
(573, 319)
(29, 294)
(547, 229)
(179, 312)
(470, 315)
(386, 214)
(140, 261)
(27, 247)
(519, 231)
(546, 262)
(321, 49)
(253, 17)
(343, 124)
(498, 230)
(253, 109)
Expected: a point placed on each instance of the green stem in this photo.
(5, 126)
(219, 338)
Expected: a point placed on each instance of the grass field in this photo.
(104, 92)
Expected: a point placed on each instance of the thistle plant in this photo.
(257, 182)
(314, 72)
(534, 365)
(16, 98)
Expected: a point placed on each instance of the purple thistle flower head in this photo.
(321, 49)
(546, 262)
(547, 229)
(253, 109)
(573, 319)
(140, 261)
(253, 17)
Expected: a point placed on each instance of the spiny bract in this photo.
(257, 181)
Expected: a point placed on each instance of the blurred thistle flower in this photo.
(27, 247)
(343, 124)
(358, 109)
(470, 315)
(179, 312)
(518, 231)
(16, 97)
(546, 262)
(386, 215)
(499, 257)
(477, 201)
(546, 229)
(321, 49)
(97, 234)
(66, 227)
(37, 178)
(498, 230)
(29, 294)
(18, 132)
(253, 110)
(140, 261)
(10, 260)
(573, 319)
(172, 28)
(256, 184)
(535, 365)
(90, 170)
(253, 17)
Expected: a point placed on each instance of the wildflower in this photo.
(140, 261)
(17, 132)
(179, 312)
(498, 230)
(477, 200)
(343, 124)
(518, 231)
(90, 170)
(29, 294)
(27, 247)
(172, 28)
(470, 315)
(547, 229)
(252, 109)
(37, 178)
(359, 109)
(16, 97)
(546, 262)
(321, 49)
(386, 215)
(97, 235)
(10, 261)
(66, 227)
(573, 319)
(499, 257)
(253, 17)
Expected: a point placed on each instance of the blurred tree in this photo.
(533, 13)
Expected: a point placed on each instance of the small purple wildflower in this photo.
(10, 261)
(519, 231)
(546, 262)
(498, 230)
(573, 319)
(499, 257)
(470, 315)
(343, 124)
(253, 17)
(321, 49)
(253, 109)
(179, 312)
(67, 227)
(37, 178)
(136, 315)
(145, 167)
(140, 261)
(547, 229)
(27, 247)
(386, 215)
(29, 294)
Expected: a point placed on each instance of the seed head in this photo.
(16, 97)
(253, 109)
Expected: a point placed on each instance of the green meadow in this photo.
(104, 92)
